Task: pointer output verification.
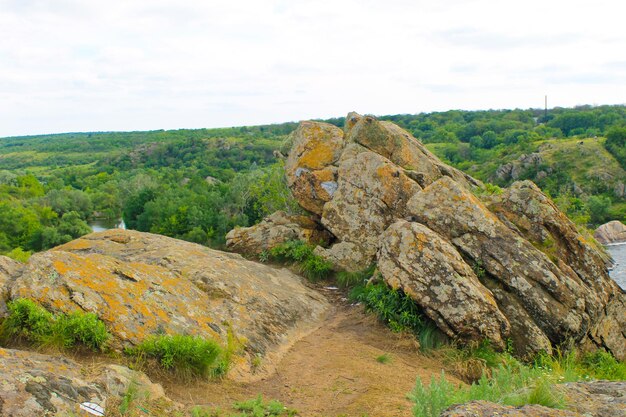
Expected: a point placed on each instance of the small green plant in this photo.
(30, 322)
(384, 358)
(350, 279)
(299, 252)
(259, 408)
(398, 311)
(186, 356)
(129, 398)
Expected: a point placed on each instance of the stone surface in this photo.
(429, 269)
(583, 399)
(372, 192)
(33, 384)
(142, 284)
(556, 303)
(8, 270)
(511, 266)
(309, 166)
(611, 232)
(276, 229)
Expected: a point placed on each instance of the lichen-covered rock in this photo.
(372, 192)
(32, 384)
(557, 301)
(429, 269)
(611, 232)
(142, 284)
(402, 149)
(583, 399)
(276, 229)
(8, 270)
(511, 266)
(316, 147)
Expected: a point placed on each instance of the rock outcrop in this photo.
(611, 232)
(142, 284)
(8, 270)
(507, 266)
(274, 230)
(40, 385)
(584, 399)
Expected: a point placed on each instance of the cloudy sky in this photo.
(92, 65)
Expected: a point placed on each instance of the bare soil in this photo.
(331, 372)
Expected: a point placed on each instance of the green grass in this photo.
(351, 279)
(300, 253)
(399, 312)
(504, 379)
(384, 358)
(259, 408)
(30, 322)
(185, 356)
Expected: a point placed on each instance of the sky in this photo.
(119, 65)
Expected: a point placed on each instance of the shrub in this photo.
(299, 252)
(399, 312)
(186, 356)
(27, 320)
(33, 323)
(384, 358)
(350, 279)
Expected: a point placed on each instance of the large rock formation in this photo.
(507, 266)
(33, 384)
(142, 284)
(611, 232)
(583, 399)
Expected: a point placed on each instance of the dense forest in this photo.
(198, 184)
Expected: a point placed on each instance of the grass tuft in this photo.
(185, 356)
(30, 322)
(313, 267)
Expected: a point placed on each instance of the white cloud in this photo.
(70, 65)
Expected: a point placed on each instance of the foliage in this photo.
(300, 253)
(259, 408)
(384, 358)
(186, 356)
(350, 279)
(504, 379)
(33, 323)
(398, 311)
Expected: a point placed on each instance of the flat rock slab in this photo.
(142, 284)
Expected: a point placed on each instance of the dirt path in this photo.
(332, 372)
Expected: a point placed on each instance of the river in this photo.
(618, 273)
(100, 225)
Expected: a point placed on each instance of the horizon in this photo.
(313, 118)
(73, 66)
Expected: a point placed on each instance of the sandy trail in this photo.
(332, 372)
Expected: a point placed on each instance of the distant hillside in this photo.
(198, 184)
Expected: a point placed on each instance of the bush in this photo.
(351, 279)
(398, 311)
(299, 252)
(31, 322)
(186, 356)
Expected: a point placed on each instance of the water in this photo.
(100, 225)
(618, 273)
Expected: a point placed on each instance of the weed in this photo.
(258, 408)
(186, 356)
(33, 323)
(398, 311)
(384, 358)
(351, 279)
(299, 252)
